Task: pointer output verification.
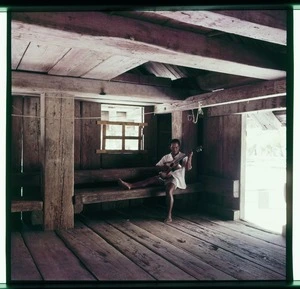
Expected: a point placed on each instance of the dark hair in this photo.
(175, 140)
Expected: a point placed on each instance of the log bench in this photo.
(107, 189)
(99, 186)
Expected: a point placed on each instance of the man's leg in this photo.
(141, 184)
(170, 188)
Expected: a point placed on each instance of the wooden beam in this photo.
(58, 164)
(262, 90)
(33, 83)
(212, 81)
(141, 40)
(26, 205)
(243, 23)
(272, 103)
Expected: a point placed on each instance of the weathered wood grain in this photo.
(22, 265)
(77, 134)
(14, 188)
(225, 258)
(188, 263)
(243, 227)
(16, 135)
(177, 125)
(113, 66)
(90, 135)
(26, 205)
(40, 57)
(255, 250)
(156, 265)
(54, 260)
(235, 23)
(132, 38)
(89, 89)
(86, 59)
(32, 157)
(101, 258)
(94, 195)
(118, 245)
(254, 91)
(58, 161)
(19, 46)
(273, 103)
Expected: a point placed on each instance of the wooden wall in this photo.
(220, 137)
(25, 147)
(221, 158)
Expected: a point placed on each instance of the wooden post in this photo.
(57, 139)
(177, 125)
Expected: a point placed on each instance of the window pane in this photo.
(132, 130)
(131, 144)
(114, 130)
(113, 144)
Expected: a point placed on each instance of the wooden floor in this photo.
(137, 245)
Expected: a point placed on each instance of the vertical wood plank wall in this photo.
(90, 136)
(150, 136)
(16, 153)
(32, 154)
(222, 155)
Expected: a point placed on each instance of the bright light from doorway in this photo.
(265, 182)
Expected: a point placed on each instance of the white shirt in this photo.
(179, 174)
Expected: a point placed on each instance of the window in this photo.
(121, 129)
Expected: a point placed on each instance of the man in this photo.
(172, 175)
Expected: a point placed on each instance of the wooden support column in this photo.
(177, 125)
(57, 140)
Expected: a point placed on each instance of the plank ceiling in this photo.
(147, 57)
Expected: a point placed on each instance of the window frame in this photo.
(103, 124)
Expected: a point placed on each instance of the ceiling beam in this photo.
(244, 23)
(110, 91)
(272, 103)
(142, 40)
(264, 89)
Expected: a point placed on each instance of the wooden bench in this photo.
(112, 192)
(28, 202)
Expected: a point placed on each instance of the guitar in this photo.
(173, 164)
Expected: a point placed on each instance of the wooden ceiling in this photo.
(168, 58)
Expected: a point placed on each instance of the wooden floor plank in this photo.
(23, 267)
(242, 227)
(252, 249)
(225, 260)
(191, 264)
(154, 264)
(102, 259)
(54, 260)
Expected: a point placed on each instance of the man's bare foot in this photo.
(124, 184)
(168, 220)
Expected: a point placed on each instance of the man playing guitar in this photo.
(171, 175)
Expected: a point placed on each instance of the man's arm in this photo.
(188, 164)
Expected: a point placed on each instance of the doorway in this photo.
(265, 171)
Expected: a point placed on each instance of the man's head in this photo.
(175, 146)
